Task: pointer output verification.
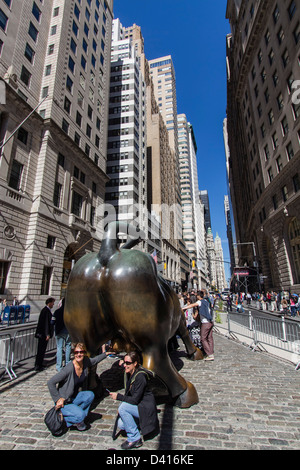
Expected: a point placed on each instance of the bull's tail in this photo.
(110, 243)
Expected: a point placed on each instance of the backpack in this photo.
(54, 421)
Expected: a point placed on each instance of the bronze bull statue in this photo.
(117, 293)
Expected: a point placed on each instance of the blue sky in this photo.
(194, 34)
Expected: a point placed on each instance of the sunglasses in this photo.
(79, 352)
(128, 363)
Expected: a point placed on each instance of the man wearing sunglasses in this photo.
(68, 387)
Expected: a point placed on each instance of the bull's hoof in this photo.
(197, 355)
(188, 398)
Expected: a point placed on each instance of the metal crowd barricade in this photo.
(24, 346)
(20, 347)
(5, 354)
(277, 332)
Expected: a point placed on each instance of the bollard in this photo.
(283, 328)
(250, 321)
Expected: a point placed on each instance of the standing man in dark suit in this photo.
(44, 331)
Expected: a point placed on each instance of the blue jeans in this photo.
(78, 410)
(128, 421)
(293, 311)
(62, 341)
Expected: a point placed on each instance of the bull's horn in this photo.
(110, 242)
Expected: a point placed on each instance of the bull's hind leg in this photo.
(192, 351)
(183, 392)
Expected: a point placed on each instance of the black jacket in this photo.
(59, 319)
(137, 393)
(44, 327)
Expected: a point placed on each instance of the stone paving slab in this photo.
(248, 401)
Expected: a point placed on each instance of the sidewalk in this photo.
(248, 401)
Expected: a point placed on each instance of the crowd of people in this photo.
(272, 301)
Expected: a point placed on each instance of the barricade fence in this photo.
(277, 333)
(20, 346)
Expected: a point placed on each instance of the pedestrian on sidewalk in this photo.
(207, 324)
(44, 331)
(64, 387)
(62, 337)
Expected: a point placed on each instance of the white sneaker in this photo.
(209, 358)
(81, 426)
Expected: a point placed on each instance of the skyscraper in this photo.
(162, 73)
(263, 113)
(54, 55)
(126, 155)
(192, 208)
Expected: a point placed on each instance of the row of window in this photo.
(284, 196)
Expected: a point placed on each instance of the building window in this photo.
(279, 163)
(15, 175)
(29, 53)
(78, 119)
(270, 174)
(36, 12)
(290, 151)
(65, 126)
(69, 84)
(274, 200)
(296, 182)
(75, 28)
(77, 138)
(3, 20)
(296, 110)
(92, 215)
(51, 242)
(4, 265)
(45, 91)
(33, 32)
(285, 58)
(61, 160)
(280, 101)
(67, 105)
(275, 140)
(292, 9)
(284, 126)
(25, 76)
(267, 152)
(76, 204)
(22, 135)
(276, 14)
(46, 279)
(48, 70)
(71, 64)
(284, 193)
(57, 194)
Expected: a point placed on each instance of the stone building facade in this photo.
(55, 63)
(263, 118)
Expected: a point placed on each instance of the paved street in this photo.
(248, 401)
